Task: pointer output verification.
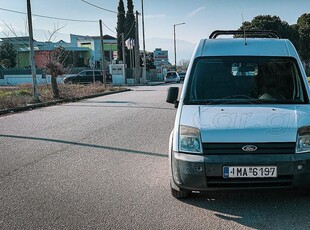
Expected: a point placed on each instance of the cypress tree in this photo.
(130, 25)
(120, 28)
(130, 21)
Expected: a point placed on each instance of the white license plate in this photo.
(249, 171)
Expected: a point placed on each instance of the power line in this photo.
(57, 18)
(49, 17)
(109, 28)
(111, 11)
(132, 26)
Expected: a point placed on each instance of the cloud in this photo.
(152, 16)
(195, 12)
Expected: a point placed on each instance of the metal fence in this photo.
(25, 71)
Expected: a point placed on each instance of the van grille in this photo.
(236, 148)
(220, 182)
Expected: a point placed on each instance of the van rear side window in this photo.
(245, 80)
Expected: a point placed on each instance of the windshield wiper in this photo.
(198, 102)
(221, 101)
(276, 101)
(242, 101)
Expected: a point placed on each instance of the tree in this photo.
(5, 63)
(130, 21)
(183, 64)
(69, 59)
(120, 28)
(303, 27)
(130, 25)
(54, 63)
(268, 22)
(149, 57)
(8, 55)
(54, 67)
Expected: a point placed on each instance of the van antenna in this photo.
(243, 26)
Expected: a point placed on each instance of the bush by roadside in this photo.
(17, 96)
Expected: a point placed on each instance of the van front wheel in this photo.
(181, 194)
(307, 191)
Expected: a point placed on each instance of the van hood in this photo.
(246, 123)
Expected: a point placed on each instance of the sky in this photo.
(201, 17)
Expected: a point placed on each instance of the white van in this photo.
(243, 117)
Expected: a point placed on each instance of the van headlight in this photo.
(303, 140)
(190, 141)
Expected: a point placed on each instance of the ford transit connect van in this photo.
(243, 117)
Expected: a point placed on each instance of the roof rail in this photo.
(269, 33)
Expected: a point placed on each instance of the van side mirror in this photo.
(172, 96)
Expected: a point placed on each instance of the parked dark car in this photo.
(87, 76)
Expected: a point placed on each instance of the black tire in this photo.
(180, 194)
(306, 192)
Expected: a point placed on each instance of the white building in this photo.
(93, 43)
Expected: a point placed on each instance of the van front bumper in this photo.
(205, 172)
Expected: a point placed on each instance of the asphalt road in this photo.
(102, 164)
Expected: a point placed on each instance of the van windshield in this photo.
(245, 80)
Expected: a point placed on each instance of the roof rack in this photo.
(269, 33)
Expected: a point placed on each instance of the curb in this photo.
(45, 104)
(146, 84)
(154, 83)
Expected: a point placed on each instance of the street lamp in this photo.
(144, 58)
(175, 46)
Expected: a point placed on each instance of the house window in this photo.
(86, 44)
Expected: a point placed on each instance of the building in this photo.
(93, 44)
(82, 50)
(161, 62)
(42, 50)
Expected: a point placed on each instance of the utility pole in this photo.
(175, 44)
(144, 58)
(137, 51)
(33, 67)
(123, 49)
(124, 56)
(102, 55)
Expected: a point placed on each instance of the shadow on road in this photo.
(90, 104)
(123, 150)
(258, 210)
(110, 102)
